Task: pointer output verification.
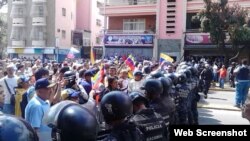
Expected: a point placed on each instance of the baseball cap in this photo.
(69, 93)
(43, 83)
(23, 79)
(137, 72)
(88, 73)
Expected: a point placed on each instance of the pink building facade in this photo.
(147, 28)
(65, 22)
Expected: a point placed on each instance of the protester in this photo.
(38, 106)
(242, 83)
(9, 82)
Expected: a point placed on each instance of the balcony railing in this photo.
(20, 43)
(39, 43)
(130, 2)
(18, 22)
(39, 1)
(18, 2)
(130, 32)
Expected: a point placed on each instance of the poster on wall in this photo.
(129, 40)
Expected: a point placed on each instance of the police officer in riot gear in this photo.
(182, 90)
(150, 123)
(206, 79)
(166, 99)
(195, 92)
(191, 95)
(71, 122)
(16, 129)
(70, 82)
(173, 94)
(116, 107)
(153, 90)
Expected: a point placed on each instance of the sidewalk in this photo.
(219, 99)
(226, 88)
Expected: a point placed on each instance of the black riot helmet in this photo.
(71, 122)
(188, 73)
(16, 129)
(173, 77)
(138, 97)
(71, 77)
(166, 84)
(116, 105)
(182, 78)
(194, 71)
(152, 87)
(156, 74)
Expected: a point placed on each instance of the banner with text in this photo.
(129, 40)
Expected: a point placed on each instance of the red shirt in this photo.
(223, 73)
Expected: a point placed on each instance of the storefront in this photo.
(45, 54)
(200, 45)
(31, 53)
(140, 46)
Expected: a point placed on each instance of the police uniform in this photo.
(160, 108)
(125, 132)
(151, 124)
(183, 91)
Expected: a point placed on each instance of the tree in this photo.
(3, 34)
(3, 2)
(222, 20)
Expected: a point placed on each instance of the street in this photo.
(218, 109)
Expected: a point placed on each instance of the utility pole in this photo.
(104, 30)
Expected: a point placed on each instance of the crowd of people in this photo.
(107, 100)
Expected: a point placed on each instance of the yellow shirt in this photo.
(18, 100)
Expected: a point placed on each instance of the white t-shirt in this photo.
(215, 69)
(135, 86)
(12, 83)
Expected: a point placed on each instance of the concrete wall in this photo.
(170, 46)
(51, 23)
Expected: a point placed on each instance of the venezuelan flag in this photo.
(165, 57)
(130, 62)
(99, 78)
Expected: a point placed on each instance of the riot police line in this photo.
(168, 99)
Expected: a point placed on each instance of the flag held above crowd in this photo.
(165, 57)
(72, 52)
(130, 62)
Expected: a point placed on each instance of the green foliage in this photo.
(218, 18)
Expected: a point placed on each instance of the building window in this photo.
(64, 12)
(63, 34)
(134, 25)
(17, 34)
(38, 10)
(98, 40)
(98, 22)
(38, 33)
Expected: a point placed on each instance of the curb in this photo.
(218, 107)
(225, 89)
